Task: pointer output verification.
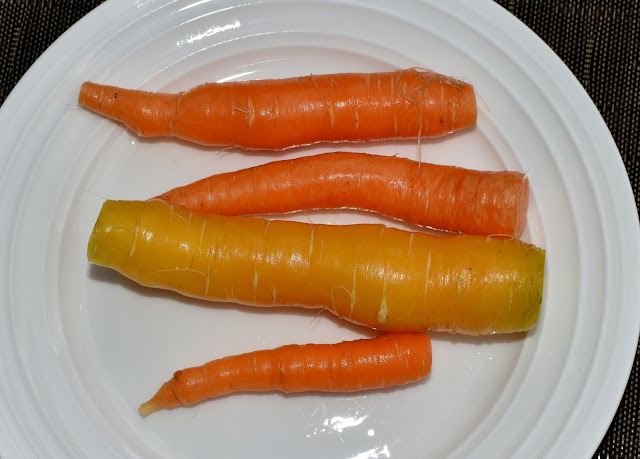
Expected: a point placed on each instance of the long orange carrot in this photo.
(385, 361)
(441, 197)
(373, 275)
(277, 114)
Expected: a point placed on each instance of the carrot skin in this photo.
(380, 277)
(435, 196)
(385, 361)
(149, 119)
(282, 113)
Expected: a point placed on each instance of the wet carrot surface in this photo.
(381, 277)
(376, 363)
(430, 195)
(281, 113)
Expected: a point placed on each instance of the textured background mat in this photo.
(598, 40)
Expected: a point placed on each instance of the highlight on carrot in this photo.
(385, 361)
(281, 113)
(381, 277)
(441, 197)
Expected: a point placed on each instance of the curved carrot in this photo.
(441, 197)
(277, 114)
(385, 361)
(381, 277)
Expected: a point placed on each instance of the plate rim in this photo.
(113, 6)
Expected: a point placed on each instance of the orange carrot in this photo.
(277, 114)
(386, 361)
(441, 197)
(381, 277)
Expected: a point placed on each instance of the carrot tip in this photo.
(149, 407)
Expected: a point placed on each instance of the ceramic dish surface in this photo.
(81, 347)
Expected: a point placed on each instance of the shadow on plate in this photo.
(107, 275)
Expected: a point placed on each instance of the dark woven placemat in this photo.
(598, 40)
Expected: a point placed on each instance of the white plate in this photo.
(81, 347)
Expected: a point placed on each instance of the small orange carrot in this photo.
(385, 361)
(441, 197)
(277, 114)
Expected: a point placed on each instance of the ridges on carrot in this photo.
(377, 276)
(281, 113)
(436, 196)
(381, 362)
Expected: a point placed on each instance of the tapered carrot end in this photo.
(148, 114)
(89, 96)
(174, 196)
(162, 197)
(101, 99)
(149, 407)
(165, 398)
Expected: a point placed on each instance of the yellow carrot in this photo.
(382, 277)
